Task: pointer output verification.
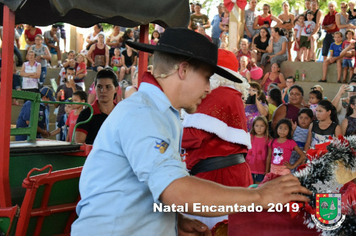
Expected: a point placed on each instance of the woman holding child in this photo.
(342, 20)
(277, 48)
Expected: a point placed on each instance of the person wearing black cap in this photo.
(43, 119)
(134, 181)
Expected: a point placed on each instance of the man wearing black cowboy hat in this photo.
(134, 181)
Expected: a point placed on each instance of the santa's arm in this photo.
(193, 138)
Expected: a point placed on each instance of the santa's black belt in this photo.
(215, 163)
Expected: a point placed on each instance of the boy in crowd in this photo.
(51, 38)
(348, 62)
(23, 120)
(290, 81)
(335, 50)
(62, 129)
(306, 35)
(79, 96)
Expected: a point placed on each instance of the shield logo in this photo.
(328, 211)
(328, 208)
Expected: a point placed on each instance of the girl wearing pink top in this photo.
(280, 150)
(256, 156)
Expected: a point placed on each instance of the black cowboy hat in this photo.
(185, 42)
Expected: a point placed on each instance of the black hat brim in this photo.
(169, 49)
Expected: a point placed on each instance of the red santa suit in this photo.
(219, 129)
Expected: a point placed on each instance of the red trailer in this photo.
(44, 204)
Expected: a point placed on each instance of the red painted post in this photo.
(5, 105)
(143, 56)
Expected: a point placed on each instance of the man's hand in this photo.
(283, 189)
(188, 226)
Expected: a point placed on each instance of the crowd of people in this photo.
(271, 112)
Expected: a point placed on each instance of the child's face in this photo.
(76, 98)
(155, 35)
(68, 108)
(304, 121)
(349, 35)
(71, 56)
(301, 19)
(289, 83)
(117, 52)
(322, 113)
(259, 127)
(80, 59)
(283, 130)
(337, 38)
(310, 17)
(313, 99)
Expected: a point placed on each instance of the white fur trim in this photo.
(213, 125)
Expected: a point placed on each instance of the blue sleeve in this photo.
(26, 111)
(151, 165)
(332, 47)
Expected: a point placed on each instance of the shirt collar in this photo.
(95, 106)
(151, 87)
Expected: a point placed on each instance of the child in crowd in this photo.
(81, 71)
(290, 81)
(78, 96)
(348, 125)
(256, 157)
(274, 100)
(62, 129)
(325, 127)
(243, 68)
(300, 132)
(306, 35)
(280, 150)
(315, 97)
(62, 72)
(155, 37)
(335, 50)
(134, 87)
(297, 32)
(320, 89)
(116, 61)
(348, 62)
(224, 24)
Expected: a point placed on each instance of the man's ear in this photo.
(182, 70)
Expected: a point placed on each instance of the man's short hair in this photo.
(198, 4)
(70, 68)
(107, 73)
(164, 63)
(55, 26)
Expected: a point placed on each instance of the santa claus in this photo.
(215, 138)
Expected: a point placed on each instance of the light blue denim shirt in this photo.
(135, 156)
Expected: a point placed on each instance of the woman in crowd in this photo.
(265, 19)
(275, 76)
(42, 56)
(329, 25)
(348, 125)
(128, 35)
(93, 36)
(260, 43)
(98, 54)
(352, 10)
(30, 72)
(244, 51)
(30, 33)
(341, 104)
(256, 104)
(277, 48)
(287, 26)
(113, 41)
(290, 110)
(129, 62)
(105, 87)
(342, 20)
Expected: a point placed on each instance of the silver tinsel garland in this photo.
(320, 177)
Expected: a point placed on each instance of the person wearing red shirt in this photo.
(329, 25)
(30, 33)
